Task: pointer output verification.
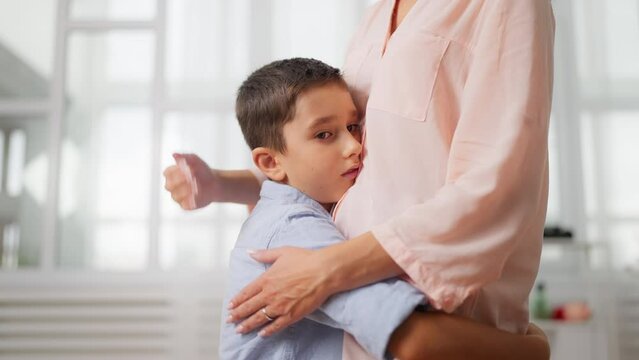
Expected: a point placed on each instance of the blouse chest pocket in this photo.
(404, 82)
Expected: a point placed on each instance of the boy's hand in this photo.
(191, 182)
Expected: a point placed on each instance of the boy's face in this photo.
(323, 144)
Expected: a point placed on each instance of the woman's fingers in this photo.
(269, 256)
(259, 319)
(248, 308)
(294, 286)
(278, 324)
(256, 320)
(248, 292)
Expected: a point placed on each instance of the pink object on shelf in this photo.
(572, 311)
(186, 171)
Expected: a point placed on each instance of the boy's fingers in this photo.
(191, 159)
(175, 183)
(186, 171)
(168, 171)
(178, 184)
(173, 178)
(187, 204)
(181, 193)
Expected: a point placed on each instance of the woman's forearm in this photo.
(362, 260)
(442, 336)
(357, 262)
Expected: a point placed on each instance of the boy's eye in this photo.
(323, 135)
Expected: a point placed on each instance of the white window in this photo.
(124, 85)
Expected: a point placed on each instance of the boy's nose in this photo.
(353, 147)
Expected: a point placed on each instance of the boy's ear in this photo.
(265, 159)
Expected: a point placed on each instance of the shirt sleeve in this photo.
(459, 240)
(370, 313)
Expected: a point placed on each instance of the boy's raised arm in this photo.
(197, 185)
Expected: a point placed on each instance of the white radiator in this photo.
(79, 316)
(628, 318)
(98, 316)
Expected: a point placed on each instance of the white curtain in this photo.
(110, 128)
(105, 221)
(596, 124)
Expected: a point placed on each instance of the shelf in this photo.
(552, 325)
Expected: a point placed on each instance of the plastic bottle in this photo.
(540, 305)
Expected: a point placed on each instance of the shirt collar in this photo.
(287, 194)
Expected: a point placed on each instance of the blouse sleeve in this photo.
(459, 240)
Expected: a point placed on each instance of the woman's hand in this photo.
(301, 280)
(194, 187)
(294, 286)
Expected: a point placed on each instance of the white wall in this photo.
(27, 29)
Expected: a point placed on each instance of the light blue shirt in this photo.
(285, 216)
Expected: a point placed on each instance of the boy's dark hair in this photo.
(266, 100)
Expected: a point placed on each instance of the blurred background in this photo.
(97, 262)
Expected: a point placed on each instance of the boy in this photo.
(300, 122)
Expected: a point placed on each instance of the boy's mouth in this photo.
(352, 172)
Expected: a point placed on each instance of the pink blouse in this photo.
(454, 183)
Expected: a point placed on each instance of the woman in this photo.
(453, 188)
